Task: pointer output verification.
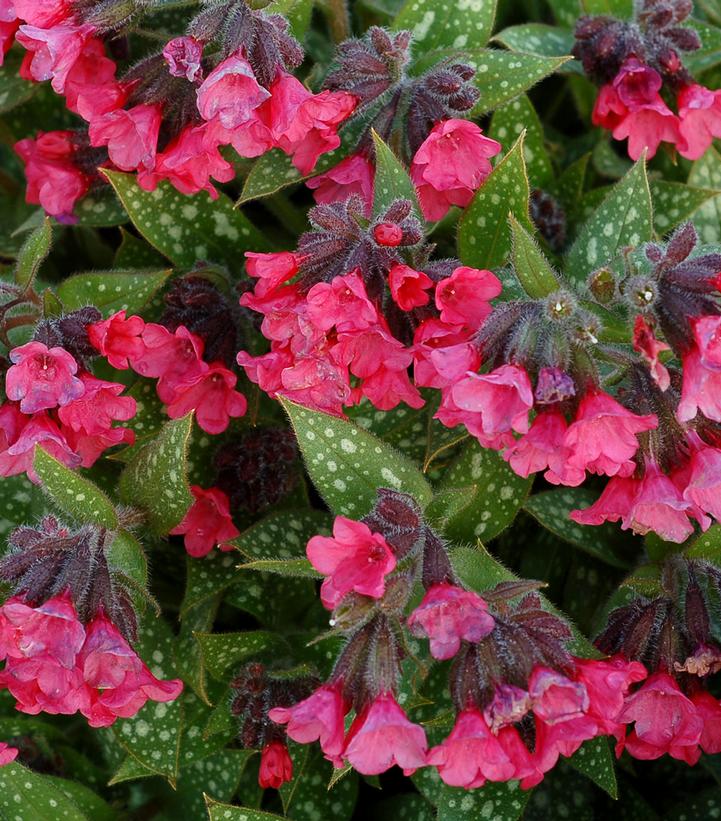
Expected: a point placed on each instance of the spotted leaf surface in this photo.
(347, 464)
(498, 497)
(539, 38)
(226, 812)
(156, 478)
(73, 493)
(30, 797)
(507, 125)
(624, 218)
(20, 501)
(187, 229)
(706, 173)
(447, 23)
(222, 650)
(32, 254)
(533, 270)
(111, 291)
(484, 234)
(595, 760)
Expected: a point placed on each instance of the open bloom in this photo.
(231, 93)
(54, 50)
(382, 736)
(211, 395)
(131, 135)
(450, 165)
(408, 287)
(118, 339)
(699, 112)
(353, 175)
(42, 377)
(448, 615)
(543, 447)
(353, 559)
(207, 523)
(464, 297)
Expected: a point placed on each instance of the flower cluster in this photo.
(635, 61)
(59, 636)
(53, 400)
(521, 699)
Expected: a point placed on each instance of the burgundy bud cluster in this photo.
(549, 218)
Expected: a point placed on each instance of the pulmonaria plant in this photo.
(635, 61)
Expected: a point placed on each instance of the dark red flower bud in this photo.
(386, 233)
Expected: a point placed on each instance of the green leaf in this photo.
(484, 235)
(624, 218)
(156, 479)
(676, 202)
(127, 555)
(111, 291)
(223, 650)
(307, 796)
(348, 464)
(447, 504)
(20, 501)
(539, 38)
(152, 737)
(101, 209)
(218, 774)
(32, 797)
(283, 567)
(391, 180)
(458, 24)
(551, 508)
(499, 494)
(706, 545)
(709, 55)
(72, 493)
(226, 812)
(188, 229)
(706, 173)
(509, 122)
(532, 268)
(595, 760)
(91, 805)
(32, 255)
(13, 89)
(618, 8)
(136, 253)
(704, 804)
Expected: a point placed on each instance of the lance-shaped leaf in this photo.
(111, 291)
(33, 253)
(391, 180)
(222, 650)
(28, 795)
(675, 202)
(347, 464)
(226, 812)
(509, 122)
(532, 268)
(456, 24)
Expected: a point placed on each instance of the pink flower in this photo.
(91, 89)
(612, 505)
(305, 125)
(211, 395)
(709, 710)
(54, 50)
(658, 506)
(316, 382)
(666, 721)
(443, 354)
(353, 559)
(183, 56)
(701, 484)
(450, 165)
(7, 753)
(607, 683)
(408, 287)
(20, 441)
(89, 447)
(700, 390)
(542, 447)
(382, 736)
(174, 358)
(131, 135)
(99, 406)
(230, 93)
(602, 438)
(353, 175)
(449, 615)
(118, 339)
(562, 738)
(8, 28)
(42, 377)
(207, 523)
(271, 270)
(699, 112)
(554, 697)
(645, 342)
(471, 754)
(464, 297)
(502, 398)
(119, 682)
(276, 765)
(632, 108)
(342, 303)
(189, 163)
(707, 333)
(53, 179)
(318, 717)
(43, 13)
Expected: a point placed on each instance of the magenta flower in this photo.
(207, 523)
(471, 754)
(701, 482)
(602, 438)
(699, 112)
(448, 615)
(91, 89)
(665, 721)
(501, 398)
(276, 765)
(118, 339)
(543, 447)
(408, 287)
(709, 710)
(659, 506)
(54, 50)
(614, 503)
(700, 390)
(646, 343)
(20, 440)
(353, 559)
(231, 93)
(353, 175)
(607, 683)
(183, 56)
(382, 736)
(271, 270)
(707, 334)
(43, 13)
(443, 354)
(464, 297)
(554, 697)
(320, 717)
(450, 165)
(170, 358)
(342, 303)
(42, 377)
(210, 393)
(98, 407)
(8, 754)
(131, 135)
